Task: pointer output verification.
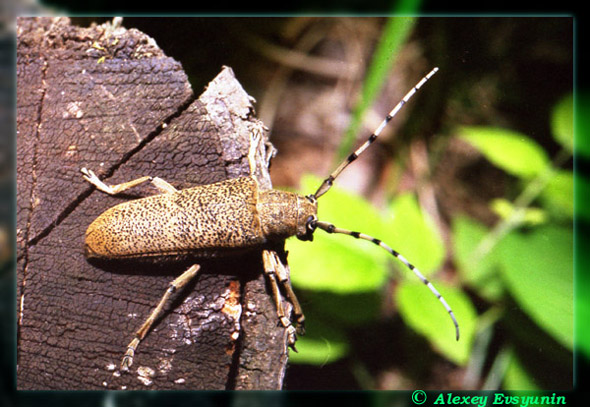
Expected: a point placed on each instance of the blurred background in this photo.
(472, 182)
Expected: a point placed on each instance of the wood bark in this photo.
(109, 99)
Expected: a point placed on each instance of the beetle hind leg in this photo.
(174, 286)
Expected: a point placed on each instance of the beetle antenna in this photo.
(327, 184)
(328, 227)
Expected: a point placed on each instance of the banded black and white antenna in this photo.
(328, 182)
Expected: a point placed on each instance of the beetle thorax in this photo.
(284, 214)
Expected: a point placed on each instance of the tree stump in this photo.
(108, 99)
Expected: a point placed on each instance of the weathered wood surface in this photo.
(108, 99)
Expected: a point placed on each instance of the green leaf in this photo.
(483, 274)
(538, 270)
(322, 344)
(318, 351)
(558, 195)
(336, 263)
(517, 377)
(422, 311)
(414, 235)
(511, 151)
(562, 122)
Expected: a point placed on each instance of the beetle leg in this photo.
(282, 272)
(163, 186)
(278, 275)
(90, 176)
(270, 271)
(175, 285)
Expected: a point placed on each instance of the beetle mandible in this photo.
(219, 220)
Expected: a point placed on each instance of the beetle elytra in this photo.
(219, 220)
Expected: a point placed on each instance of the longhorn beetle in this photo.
(221, 219)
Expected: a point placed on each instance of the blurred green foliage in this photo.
(525, 260)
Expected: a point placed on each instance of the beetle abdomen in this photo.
(200, 221)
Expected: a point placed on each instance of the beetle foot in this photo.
(128, 358)
(291, 337)
(300, 328)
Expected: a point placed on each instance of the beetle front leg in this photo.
(175, 285)
(159, 183)
(277, 275)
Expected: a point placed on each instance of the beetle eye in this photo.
(310, 226)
